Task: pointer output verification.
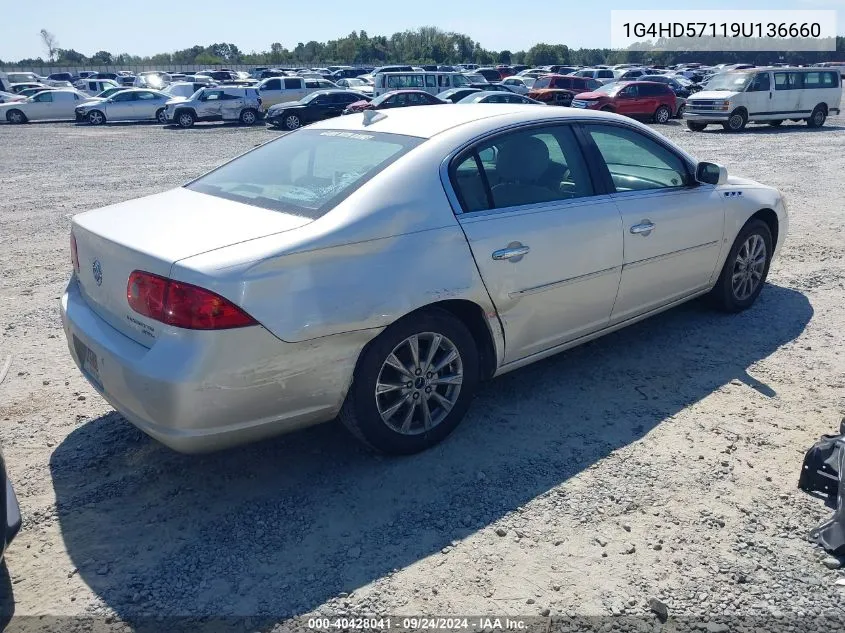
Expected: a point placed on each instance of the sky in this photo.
(252, 25)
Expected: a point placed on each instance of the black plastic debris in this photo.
(821, 476)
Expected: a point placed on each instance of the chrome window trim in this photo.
(452, 195)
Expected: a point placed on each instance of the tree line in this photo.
(425, 45)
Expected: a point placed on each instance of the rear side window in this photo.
(306, 173)
(521, 168)
(820, 80)
(293, 83)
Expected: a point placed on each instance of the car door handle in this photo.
(511, 252)
(644, 228)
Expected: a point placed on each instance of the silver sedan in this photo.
(131, 104)
(377, 266)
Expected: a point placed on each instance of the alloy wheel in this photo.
(95, 118)
(161, 117)
(748, 267)
(419, 383)
(292, 122)
(662, 115)
(735, 122)
(248, 117)
(16, 117)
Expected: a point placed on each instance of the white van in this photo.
(275, 90)
(765, 95)
(432, 82)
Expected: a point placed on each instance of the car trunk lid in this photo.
(151, 234)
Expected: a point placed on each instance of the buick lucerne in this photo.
(375, 267)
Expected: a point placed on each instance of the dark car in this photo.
(220, 75)
(347, 73)
(456, 94)
(490, 74)
(395, 99)
(317, 106)
(498, 97)
(562, 70)
(10, 512)
(637, 99)
(392, 69)
(62, 77)
(677, 87)
(112, 76)
(272, 72)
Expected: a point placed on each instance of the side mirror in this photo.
(711, 173)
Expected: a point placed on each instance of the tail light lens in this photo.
(74, 254)
(182, 305)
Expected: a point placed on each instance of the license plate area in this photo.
(89, 361)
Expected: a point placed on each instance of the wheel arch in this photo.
(473, 316)
(771, 219)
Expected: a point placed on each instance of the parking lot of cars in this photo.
(658, 462)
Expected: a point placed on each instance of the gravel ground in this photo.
(658, 462)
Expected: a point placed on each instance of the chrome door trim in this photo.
(683, 251)
(527, 360)
(539, 207)
(563, 282)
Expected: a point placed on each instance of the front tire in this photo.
(745, 269)
(818, 117)
(186, 119)
(95, 117)
(161, 117)
(736, 122)
(292, 122)
(413, 384)
(662, 114)
(16, 116)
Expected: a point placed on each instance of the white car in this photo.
(95, 86)
(519, 85)
(377, 266)
(132, 104)
(356, 84)
(57, 104)
(154, 79)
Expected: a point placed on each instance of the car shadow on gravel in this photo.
(7, 597)
(277, 528)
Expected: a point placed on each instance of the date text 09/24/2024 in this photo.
(374, 623)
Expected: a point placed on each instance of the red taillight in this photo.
(182, 305)
(74, 254)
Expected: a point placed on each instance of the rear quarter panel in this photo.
(391, 247)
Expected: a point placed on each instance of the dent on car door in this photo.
(672, 227)
(547, 243)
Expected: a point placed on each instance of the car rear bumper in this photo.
(198, 391)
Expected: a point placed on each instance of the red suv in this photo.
(647, 99)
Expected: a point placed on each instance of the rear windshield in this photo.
(305, 173)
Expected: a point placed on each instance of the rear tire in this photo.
(662, 114)
(694, 126)
(16, 116)
(818, 117)
(249, 117)
(161, 117)
(416, 408)
(746, 268)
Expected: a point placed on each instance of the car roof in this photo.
(426, 122)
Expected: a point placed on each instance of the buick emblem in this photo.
(98, 272)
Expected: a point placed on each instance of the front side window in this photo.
(306, 173)
(520, 168)
(760, 83)
(43, 97)
(123, 96)
(212, 95)
(636, 162)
